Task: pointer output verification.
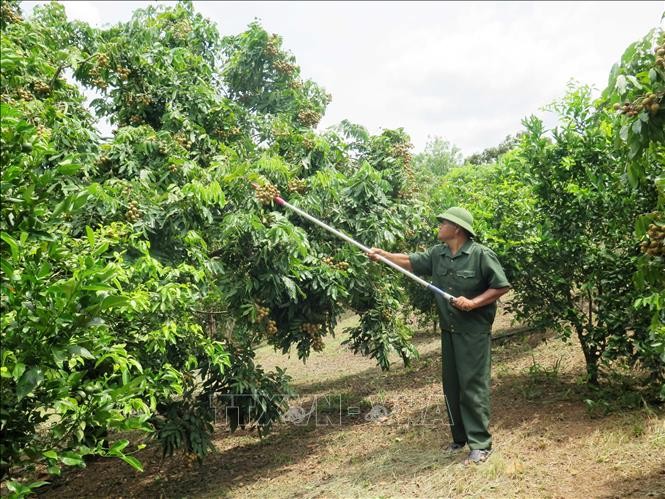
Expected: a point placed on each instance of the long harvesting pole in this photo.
(280, 201)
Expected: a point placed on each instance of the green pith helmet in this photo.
(458, 216)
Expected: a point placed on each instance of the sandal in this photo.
(478, 456)
(454, 447)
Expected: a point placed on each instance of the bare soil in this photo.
(381, 434)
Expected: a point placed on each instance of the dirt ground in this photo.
(356, 431)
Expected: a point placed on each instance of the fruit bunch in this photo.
(135, 119)
(660, 55)
(314, 332)
(8, 15)
(103, 60)
(337, 265)
(308, 143)
(271, 328)
(649, 103)
(133, 213)
(271, 48)
(308, 117)
(297, 185)
(123, 72)
(261, 313)
(104, 161)
(40, 87)
(295, 85)
(183, 141)
(402, 151)
(654, 245)
(144, 99)
(181, 30)
(24, 94)
(266, 193)
(284, 67)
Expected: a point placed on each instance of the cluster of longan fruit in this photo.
(24, 94)
(338, 265)
(183, 141)
(649, 103)
(271, 328)
(295, 85)
(181, 30)
(42, 131)
(314, 332)
(297, 185)
(284, 67)
(655, 244)
(40, 87)
(266, 193)
(308, 117)
(660, 55)
(262, 313)
(133, 213)
(271, 48)
(308, 143)
(123, 72)
(402, 151)
(8, 14)
(104, 161)
(135, 119)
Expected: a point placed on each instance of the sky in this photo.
(467, 72)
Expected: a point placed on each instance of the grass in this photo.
(547, 441)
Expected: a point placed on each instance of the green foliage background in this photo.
(140, 271)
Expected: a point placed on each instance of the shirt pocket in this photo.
(467, 280)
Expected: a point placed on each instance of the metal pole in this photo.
(364, 248)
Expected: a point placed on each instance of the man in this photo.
(472, 273)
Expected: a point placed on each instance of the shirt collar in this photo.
(466, 249)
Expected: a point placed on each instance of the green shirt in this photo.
(474, 269)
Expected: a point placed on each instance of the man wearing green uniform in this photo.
(472, 273)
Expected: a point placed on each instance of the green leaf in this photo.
(80, 351)
(91, 235)
(71, 458)
(18, 370)
(119, 446)
(113, 301)
(634, 81)
(133, 462)
(30, 380)
(51, 454)
(637, 126)
(13, 245)
(71, 461)
(623, 133)
(67, 167)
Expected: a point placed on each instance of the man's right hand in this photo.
(374, 253)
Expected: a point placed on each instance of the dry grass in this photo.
(547, 444)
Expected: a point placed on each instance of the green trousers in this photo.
(466, 386)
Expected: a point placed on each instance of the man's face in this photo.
(447, 231)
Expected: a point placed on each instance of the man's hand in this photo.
(463, 303)
(374, 253)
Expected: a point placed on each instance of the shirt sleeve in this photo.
(422, 262)
(492, 270)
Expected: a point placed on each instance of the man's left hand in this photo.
(464, 303)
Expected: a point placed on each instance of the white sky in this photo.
(465, 71)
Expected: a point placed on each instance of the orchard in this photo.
(141, 271)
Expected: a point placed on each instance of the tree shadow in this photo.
(341, 404)
(646, 485)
